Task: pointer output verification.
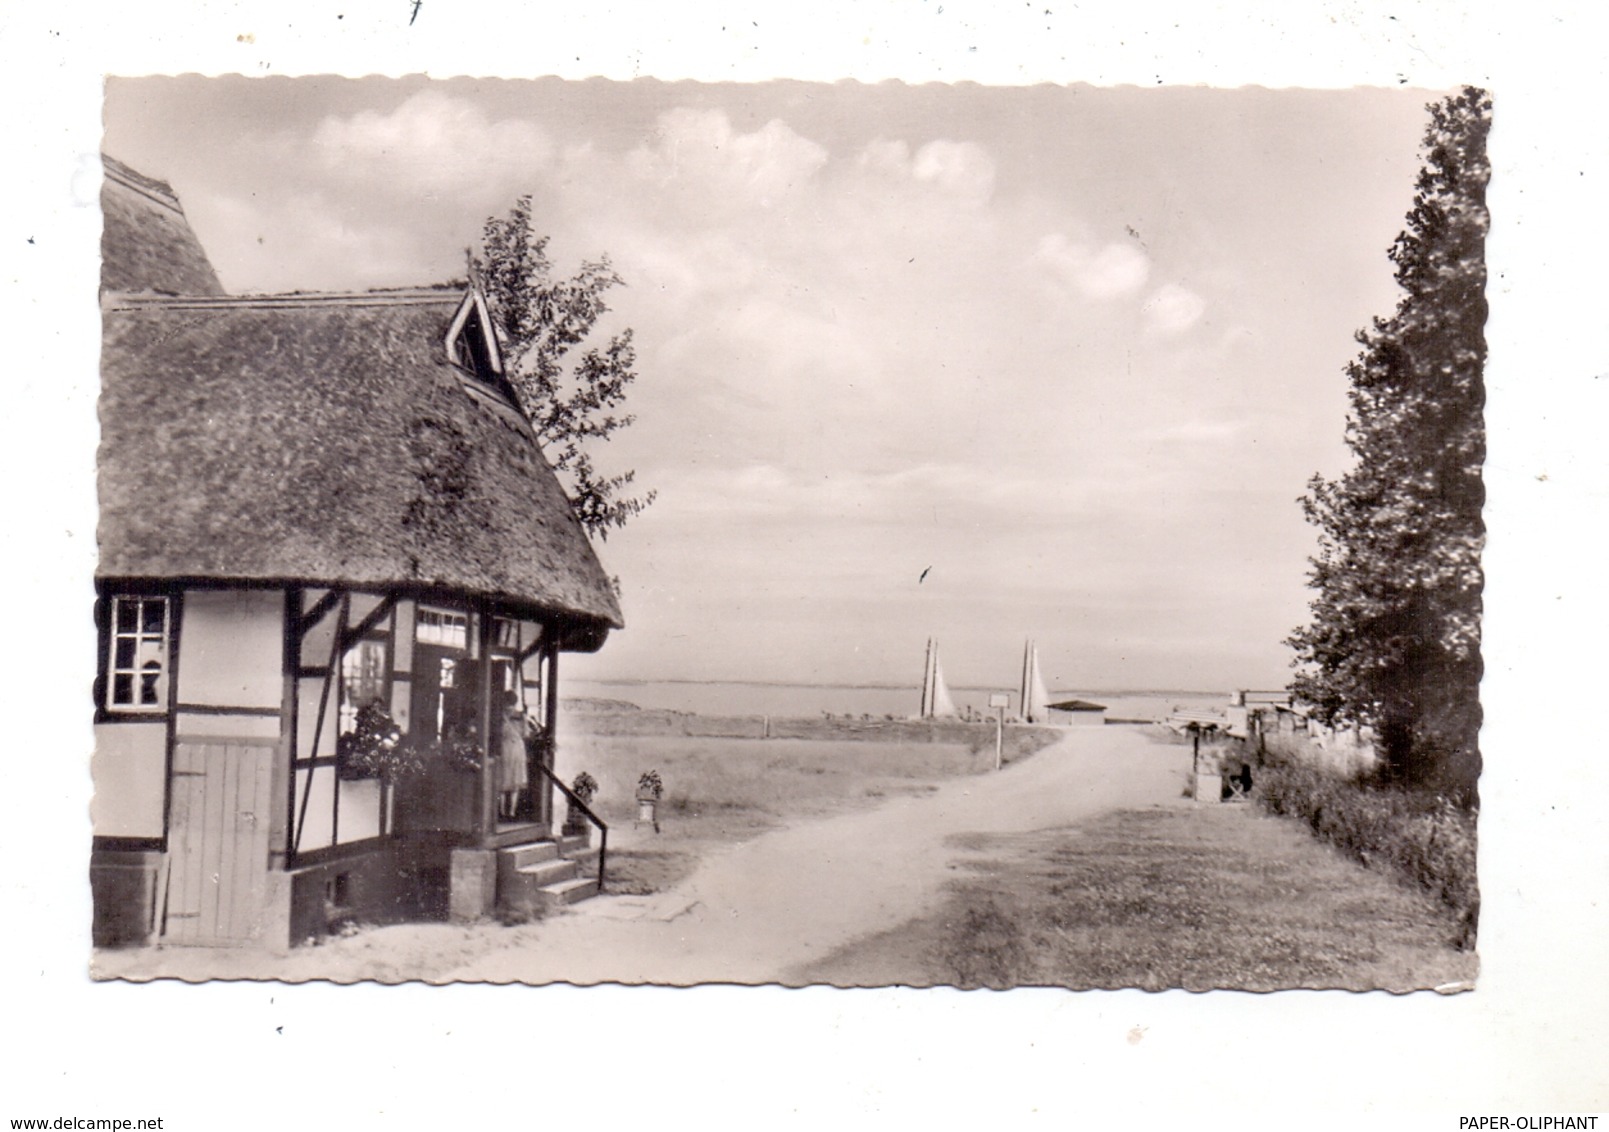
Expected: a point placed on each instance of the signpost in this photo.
(1000, 701)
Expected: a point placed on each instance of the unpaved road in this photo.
(750, 913)
(792, 896)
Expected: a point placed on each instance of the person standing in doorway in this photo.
(512, 774)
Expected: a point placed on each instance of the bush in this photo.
(1423, 837)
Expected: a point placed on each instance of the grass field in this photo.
(721, 790)
(1191, 897)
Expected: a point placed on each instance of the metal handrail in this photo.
(603, 828)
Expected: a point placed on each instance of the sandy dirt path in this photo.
(793, 896)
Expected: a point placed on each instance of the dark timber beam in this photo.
(313, 616)
(353, 634)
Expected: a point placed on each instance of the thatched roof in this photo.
(146, 241)
(325, 439)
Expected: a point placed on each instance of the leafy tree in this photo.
(572, 404)
(1394, 640)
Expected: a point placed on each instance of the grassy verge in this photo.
(1422, 839)
(1192, 897)
(719, 791)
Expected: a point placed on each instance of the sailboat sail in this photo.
(936, 701)
(1035, 700)
(927, 683)
(943, 705)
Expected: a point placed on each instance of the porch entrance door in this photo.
(444, 718)
(218, 841)
(444, 702)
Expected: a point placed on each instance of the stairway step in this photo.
(536, 876)
(519, 856)
(572, 843)
(570, 891)
(545, 873)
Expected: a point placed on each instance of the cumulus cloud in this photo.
(1173, 309)
(960, 171)
(699, 150)
(433, 143)
(959, 168)
(1108, 271)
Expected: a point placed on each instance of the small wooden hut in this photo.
(1077, 713)
(313, 504)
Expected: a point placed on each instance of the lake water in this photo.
(804, 700)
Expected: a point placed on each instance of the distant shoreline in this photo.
(880, 687)
(803, 725)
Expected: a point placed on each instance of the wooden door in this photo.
(218, 841)
(445, 795)
(443, 692)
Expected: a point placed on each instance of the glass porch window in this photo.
(442, 627)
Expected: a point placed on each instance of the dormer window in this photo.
(472, 345)
(470, 352)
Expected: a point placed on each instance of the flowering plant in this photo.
(584, 787)
(374, 748)
(650, 786)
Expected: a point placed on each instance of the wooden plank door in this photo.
(218, 841)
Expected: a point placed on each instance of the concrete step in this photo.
(545, 873)
(570, 891)
(572, 843)
(531, 853)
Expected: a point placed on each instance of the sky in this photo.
(985, 364)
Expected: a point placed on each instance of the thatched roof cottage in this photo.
(319, 511)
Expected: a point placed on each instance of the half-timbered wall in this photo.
(230, 650)
(342, 658)
(402, 664)
(134, 703)
(130, 774)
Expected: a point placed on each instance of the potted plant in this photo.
(584, 787)
(649, 791)
(374, 748)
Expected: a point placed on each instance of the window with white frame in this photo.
(137, 654)
(441, 627)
